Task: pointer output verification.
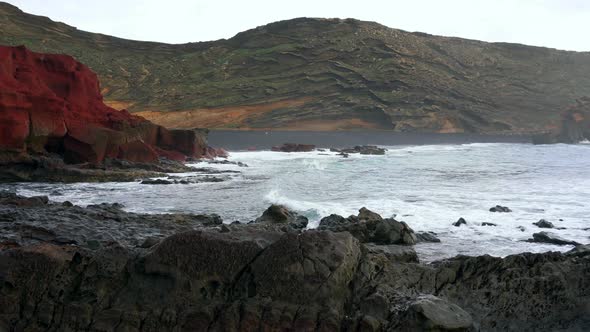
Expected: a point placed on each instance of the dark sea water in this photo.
(428, 186)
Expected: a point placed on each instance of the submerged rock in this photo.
(362, 149)
(156, 181)
(488, 224)
(293, 147)
(460, 222)
(183, 180)
(427, 237)
(543, 224)
(545, 237)
(499, 208)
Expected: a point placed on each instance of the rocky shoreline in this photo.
(99, 268)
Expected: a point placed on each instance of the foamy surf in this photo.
(429, 187)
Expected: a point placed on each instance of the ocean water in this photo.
(427, 186)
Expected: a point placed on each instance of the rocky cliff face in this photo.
(574, 126)
(320, 74)
(53, 104)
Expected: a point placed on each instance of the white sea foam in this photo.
(428, 186)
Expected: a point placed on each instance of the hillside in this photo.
(322, 74)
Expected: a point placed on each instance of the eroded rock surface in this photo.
(67, 268)
(369, 226)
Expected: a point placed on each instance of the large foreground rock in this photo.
(66, 268)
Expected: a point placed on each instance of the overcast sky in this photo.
(562, 24)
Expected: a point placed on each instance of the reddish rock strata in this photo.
(52, 103)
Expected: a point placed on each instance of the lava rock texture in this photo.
(99, 268)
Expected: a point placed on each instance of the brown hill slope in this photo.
(323, 74)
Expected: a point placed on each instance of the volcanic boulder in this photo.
(369, 226)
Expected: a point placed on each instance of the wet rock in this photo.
(427, 237)
(545, 237)
(224, 162)
(7, 198)
(488, 224)
(67, 204)
(499, 208)
(580, 250)
(364, 149)
(279, 214)
(183, 180)
(368, 215)
(293, 147)
(543, 224)
(460, 222)
(521, 228)
(394, 253)
(430, 313)
(104, 223)
(156, 181)
(333, 220)
(26, 168)
(211, 152)
(369, 226)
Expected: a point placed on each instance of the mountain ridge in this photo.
(323, 74)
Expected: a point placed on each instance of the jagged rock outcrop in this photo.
(52, 104)
(99, 268)
(369, 226)
(574, 126)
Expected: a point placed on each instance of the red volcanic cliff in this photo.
(52, 103)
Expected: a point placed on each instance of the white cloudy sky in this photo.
(562, 24)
